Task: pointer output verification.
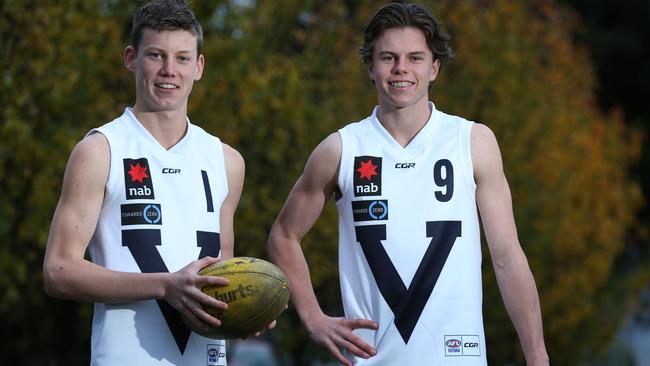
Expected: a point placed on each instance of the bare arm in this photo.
(513, 274)
(303, 207)
(66, 272)
(235, 172)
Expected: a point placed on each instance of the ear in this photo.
(435, 68)
(371, 72)
(200, 64)
(130, 56)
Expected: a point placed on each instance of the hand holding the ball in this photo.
(335, 333)
(257, 293)
(270, 326)
(184, 293)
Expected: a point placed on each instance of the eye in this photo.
(387, 58)
(154, 54)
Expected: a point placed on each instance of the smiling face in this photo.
(402, 67)
(166, 65)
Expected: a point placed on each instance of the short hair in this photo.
(164, 15)
(399, 15)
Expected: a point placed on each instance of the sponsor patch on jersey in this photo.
(141, 214)
(370, 210)
(137, 179)
(462, 345)
(367, 176)
(216, 355)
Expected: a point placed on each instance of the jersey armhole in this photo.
(111, 189)
(465, 133)
(342, 180)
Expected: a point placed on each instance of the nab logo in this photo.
(137, 181)
(367, 176)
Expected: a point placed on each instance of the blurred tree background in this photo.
(560, 82)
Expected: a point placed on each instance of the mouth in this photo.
(400, 84)
(166, 86)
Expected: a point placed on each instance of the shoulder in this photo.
(322, 166)
(232, 157)
(235, 166)
(89, 165)
(356, 127)
(119, 126)
(330, 146)
(94, 146)
(482, 136)
(327, 154)
(486, 156)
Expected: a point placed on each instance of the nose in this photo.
(399, 67)
(167, 68)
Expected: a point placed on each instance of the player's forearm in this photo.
(85, 281)
(520, 297)
(287, 255)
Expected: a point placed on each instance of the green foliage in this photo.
(281, 76)
(56, 84)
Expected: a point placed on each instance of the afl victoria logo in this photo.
(453, 343)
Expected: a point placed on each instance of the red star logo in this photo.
(367, 170)
(138, 173)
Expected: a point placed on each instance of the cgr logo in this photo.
(137, 181)
(171, 171)
(404, 165)
(367, 176)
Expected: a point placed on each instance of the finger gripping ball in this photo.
(257, 293)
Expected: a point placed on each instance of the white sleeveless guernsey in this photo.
(409, 247)
(160, 212)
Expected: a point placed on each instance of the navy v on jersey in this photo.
(409, 248)
(160, 212)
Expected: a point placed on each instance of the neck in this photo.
(404, 123)
(167, 127)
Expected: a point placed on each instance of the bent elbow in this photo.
(271, 243)
(52, 281)
(49, 284)
(276, 241)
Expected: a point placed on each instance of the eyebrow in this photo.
(156, 48)
(414, 53)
